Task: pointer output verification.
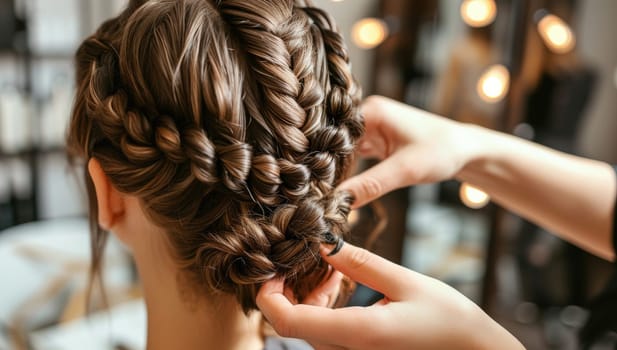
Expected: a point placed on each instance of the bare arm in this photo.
(572, 196)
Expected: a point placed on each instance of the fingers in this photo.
(317, 325)
(372, 147)
(382, 178)
(379, 141)
(374, 142)
(325, 294)
(320, 325)
(394, 281)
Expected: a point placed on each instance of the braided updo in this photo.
(232, 121)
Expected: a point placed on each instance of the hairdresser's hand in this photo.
(415, 147)
(417, 312)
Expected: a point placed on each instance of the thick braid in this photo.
(278, 86)
(297, 36)
(271, 63)
(233, 123)
(345, 94)
(223, 133)
(143, 144)
(343, 97)
(148, 153)
(327, 145)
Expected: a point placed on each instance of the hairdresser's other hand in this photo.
(417, 312)
(415, 147)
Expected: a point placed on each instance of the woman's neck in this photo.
(180, 320)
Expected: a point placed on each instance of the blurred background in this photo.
(544, 70)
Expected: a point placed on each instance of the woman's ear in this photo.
(110, 201)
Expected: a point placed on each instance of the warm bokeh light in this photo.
(615, 77)
(494, 83)
(478, 13)
(473, 197)
(368, 33)
(556, 34)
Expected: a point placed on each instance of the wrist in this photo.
(478, 148)
(486, 155)
(485, 333)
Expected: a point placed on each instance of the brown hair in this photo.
(232, 121)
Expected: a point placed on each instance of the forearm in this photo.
(490, 333)
(568, 195)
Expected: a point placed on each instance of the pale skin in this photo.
(570, 196)
(179, 318)
(418, 312)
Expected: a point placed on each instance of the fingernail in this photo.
(337, 248)
(331, 239)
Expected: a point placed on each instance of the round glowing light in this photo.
(615, 77)
(556, 34)
(478, 13)
(494, 83)
(367, 33)
(473, 197)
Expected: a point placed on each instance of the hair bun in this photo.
(256, 250)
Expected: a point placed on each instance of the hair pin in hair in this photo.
(330, 238)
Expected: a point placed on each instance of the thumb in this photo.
(380, 179)
(362, 266)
